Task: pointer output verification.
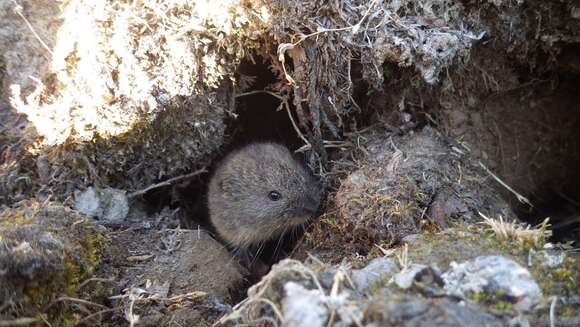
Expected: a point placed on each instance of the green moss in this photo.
(330, 221)
(464, 242)
(71, 276)
(455, 244)
(13, 218)
(495, 301)
(387, 73)
(567, 312)
(562, 274)
(83, 244)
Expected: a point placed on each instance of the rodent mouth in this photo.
(304, 216)
(301, 219)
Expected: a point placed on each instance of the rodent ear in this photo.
(303, 159)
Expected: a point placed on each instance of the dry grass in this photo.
(517, 232)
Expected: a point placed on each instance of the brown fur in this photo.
(239, 205)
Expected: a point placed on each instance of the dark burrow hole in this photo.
(543, 160)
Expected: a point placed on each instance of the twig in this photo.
(294, 124)
(276, 310)
(278, 96)
(81, 301)
(520, 197)
(327, 144)
(166, 183)
(94, 315)
(95, 279)
(190, 296)
(43, 318)
(553, 311)
(18, 11)
(26, 321)
(403, 257)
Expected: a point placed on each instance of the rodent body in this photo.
(259, 192)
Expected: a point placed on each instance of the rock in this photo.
(417, 311)
(417, 273)
(498, 277)
(46, 250)
(31, 256)
(110, 205)
(303, 307)
(377, 269)
(552, 258)
(88, 203)
(411, 239)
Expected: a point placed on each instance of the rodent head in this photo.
(259, 192)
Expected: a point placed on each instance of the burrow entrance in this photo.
(531, 134)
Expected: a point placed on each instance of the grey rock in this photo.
(326, 277)
(552, 258)
(416, 311)
(303, 307)
(411, 239)
(110, 205)
(419, 273)
(369, 275)
(87, 202)
(493, 275)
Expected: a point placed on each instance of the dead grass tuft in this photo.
(518, 232)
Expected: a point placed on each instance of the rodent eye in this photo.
(274, 196)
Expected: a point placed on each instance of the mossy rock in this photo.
(46, 251)
(464, 242)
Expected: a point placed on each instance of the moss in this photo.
(464, 242)
(53, 275)
(562, 274)
(495, 301)
(456, 244)
(71, 276)
(567, 312)
(14, 219)
(330, 221)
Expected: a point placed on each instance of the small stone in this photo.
(575, 12)
(87, 202)
(552, 258)
(415, 311)
(494, 275)
(369, 275)
(411, 239)
(303, 307)
(110, 205)
(419, 273)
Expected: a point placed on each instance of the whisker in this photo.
(257, 254)
(279, 242)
